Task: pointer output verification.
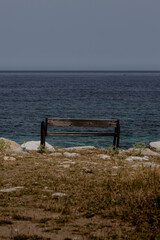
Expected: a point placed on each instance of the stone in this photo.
(18, 151)
(10, 189)
(67, 161)
(150, 164)
(66, 165)
(115, 167)
(56, 154)
(155, 146)
(34, 146)
(136, 150)
(8, 144)
(80, 148)
(132, 158)
(6, 158)
(149, 152)
(58, 194)
(103, 156)
(67, 154)
(147, 164)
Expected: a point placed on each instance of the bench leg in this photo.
(114, 142)
(43, 133)
(118, 135)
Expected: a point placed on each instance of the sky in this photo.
(79, 35)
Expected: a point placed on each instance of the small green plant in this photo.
(113, 150)
(41, 149)
(140, 146)
(4, 145)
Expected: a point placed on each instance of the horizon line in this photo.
(79, 71)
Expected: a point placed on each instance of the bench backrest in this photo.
(82, 122)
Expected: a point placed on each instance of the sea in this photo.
(27, 98)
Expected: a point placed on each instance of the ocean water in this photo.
(27, 98)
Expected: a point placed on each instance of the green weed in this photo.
(42, 149)
(4, 145)
(139, 145)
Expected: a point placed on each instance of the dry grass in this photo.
(105, 199)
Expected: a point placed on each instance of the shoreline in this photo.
(35, 145)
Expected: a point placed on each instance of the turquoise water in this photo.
(26, 98)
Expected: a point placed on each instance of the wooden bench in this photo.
(68, 122)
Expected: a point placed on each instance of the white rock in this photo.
(103, 156)
(151, 164)
(155, 146)
(148, 164)
(9, 158)
(56, 154)
(133, 149)
(65, 166)
(80, 148)
(148, 152)
(58, 194)
(10, 189)
(19, 150)
(67, 154)
(68, 162)
(34, 146)
(132, 158)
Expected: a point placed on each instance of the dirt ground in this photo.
(90, 194)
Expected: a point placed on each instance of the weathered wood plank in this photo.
(59, 122)
(80, 134)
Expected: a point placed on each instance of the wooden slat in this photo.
(82, 122)
(81, 134)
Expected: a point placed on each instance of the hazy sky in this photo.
(79, 34)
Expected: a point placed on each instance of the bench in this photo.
(69, 122)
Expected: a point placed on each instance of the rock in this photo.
(70, 162)
(58, 194)
(133, 149)
(10, 189)
(9, 158)
(148, 152)
(80, 148)
(115, 167)
(103, 156)
(147, 164)
(34, 146)
(67, 154)
(19, 150)
(66, 165)
(132, 158)
(150, 164)
(8, 144)
(56, 154)
(155, 146)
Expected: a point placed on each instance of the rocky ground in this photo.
(79, 193)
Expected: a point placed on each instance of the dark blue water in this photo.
(133, 98)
